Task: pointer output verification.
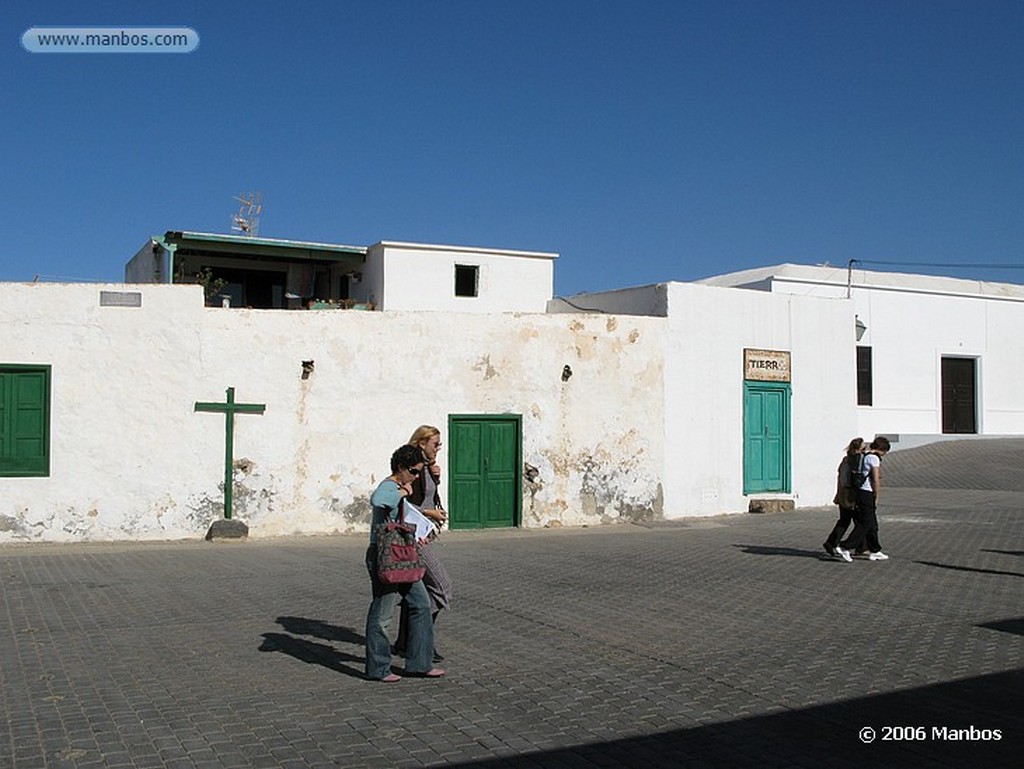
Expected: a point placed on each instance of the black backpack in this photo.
(858, 474)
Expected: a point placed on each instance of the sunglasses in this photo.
(413, 470)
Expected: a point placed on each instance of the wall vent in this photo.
(120, 299)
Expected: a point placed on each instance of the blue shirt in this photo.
(384, 500)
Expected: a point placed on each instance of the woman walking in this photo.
(406, 466)
(846, 493)
(426, 495)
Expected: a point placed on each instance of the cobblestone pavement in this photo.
(721, 642)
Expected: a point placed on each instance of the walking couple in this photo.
(858, 485)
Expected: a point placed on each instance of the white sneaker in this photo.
(844, 554)
(879, 556)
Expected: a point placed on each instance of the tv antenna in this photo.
(247, 220)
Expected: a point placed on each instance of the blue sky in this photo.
(642, 140)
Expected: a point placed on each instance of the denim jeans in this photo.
(419, 653)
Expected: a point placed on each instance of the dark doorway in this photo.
(959, 395)
(260, 289)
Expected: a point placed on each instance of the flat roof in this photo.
(467, 249)
(840, 276)
(182, 236)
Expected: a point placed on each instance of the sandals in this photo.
(391, 678)
(432, 673)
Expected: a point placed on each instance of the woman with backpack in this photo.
(849, 469)
(865, 519)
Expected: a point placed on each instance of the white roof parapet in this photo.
(466, 249)
(886, 281)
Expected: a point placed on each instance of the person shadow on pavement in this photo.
(312, 652)
(790, 551)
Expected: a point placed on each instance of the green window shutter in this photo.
(24, 421)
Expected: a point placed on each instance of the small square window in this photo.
(467, 279)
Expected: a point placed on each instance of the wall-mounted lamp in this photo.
(859, 325)
(566, 373)
(307, 368)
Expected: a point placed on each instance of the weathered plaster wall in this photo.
(122, 433)
(130, 459)
(708, 328)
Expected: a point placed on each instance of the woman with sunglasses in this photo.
(406, 466)
(426, 495)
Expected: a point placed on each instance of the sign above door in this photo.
(766, 365)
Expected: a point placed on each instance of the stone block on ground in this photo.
(227, 529)
(771, 506)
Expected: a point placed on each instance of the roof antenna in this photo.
(247, 220)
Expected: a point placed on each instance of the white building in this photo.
(936, 356)
(476, 280)
(670, 400)
(269, 273)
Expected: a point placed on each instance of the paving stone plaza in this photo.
(721, 642)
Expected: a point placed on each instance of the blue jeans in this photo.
(419, 653)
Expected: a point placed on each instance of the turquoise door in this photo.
(483, 482)
(765, 437)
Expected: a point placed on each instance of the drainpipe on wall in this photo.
(849, 278)
(170, 248)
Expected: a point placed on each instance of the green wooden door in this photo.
(765, 437)
(24, 421)
(483, 482)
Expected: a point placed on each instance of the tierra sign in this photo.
(766, 365)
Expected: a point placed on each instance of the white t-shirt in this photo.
(870, 461)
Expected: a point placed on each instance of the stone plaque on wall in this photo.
(120, 299)
(766, 365)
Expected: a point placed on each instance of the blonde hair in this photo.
(422, 434)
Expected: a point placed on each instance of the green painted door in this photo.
(765, 437)
(483, 482)
(24, 421)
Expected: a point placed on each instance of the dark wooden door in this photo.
(959, 395)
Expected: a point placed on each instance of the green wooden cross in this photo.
(229, 409)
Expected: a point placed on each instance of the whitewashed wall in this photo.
(913, 321)
(910, 333)
(708, 329)
(410, 276)
(130, 459)
(638, 300)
